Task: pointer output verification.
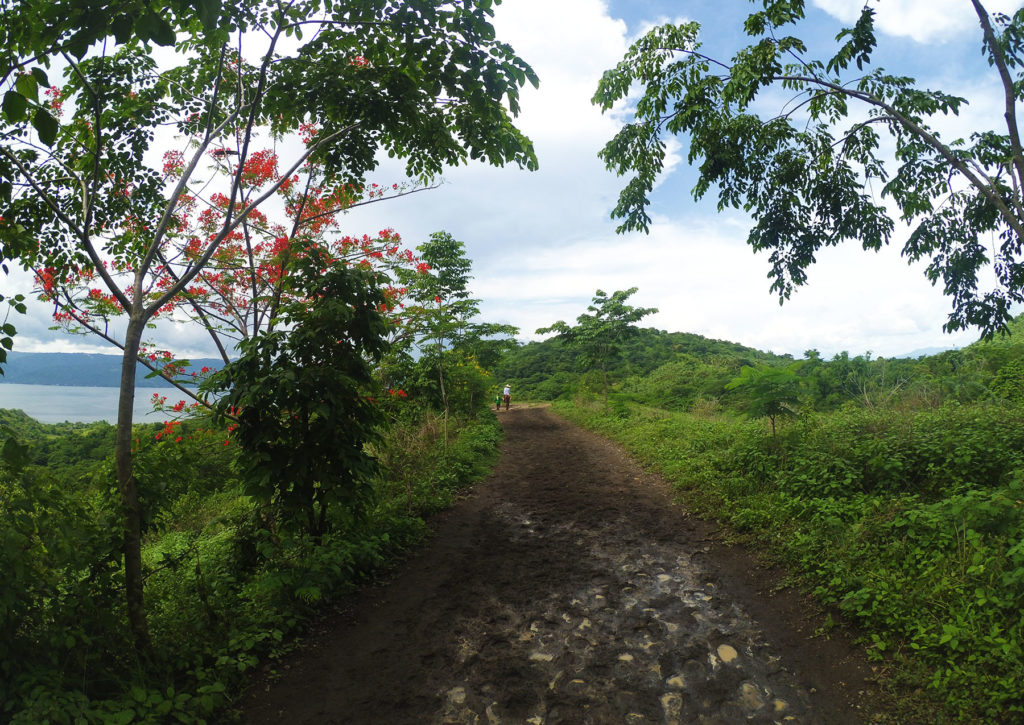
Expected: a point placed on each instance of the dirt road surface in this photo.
(568, 588)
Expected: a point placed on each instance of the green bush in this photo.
(908, 522)
(226, 584)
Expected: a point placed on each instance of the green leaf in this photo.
(40, 76)
(15, 105)
(46, 125)
(79, 43)
(124, 717)
(208, 12)
(122, 28)
(151, 26)
(27, 86)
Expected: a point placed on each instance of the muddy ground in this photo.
(568, 588)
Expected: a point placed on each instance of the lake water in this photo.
(59, 403)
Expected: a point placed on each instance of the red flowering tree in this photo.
(82, 199)
(239, 290)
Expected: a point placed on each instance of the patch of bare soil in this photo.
(568, 588)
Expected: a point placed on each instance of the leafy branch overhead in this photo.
(807, 174)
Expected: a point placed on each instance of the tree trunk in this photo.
(131, 508)
(444, 392)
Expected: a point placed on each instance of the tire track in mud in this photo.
(568, 589)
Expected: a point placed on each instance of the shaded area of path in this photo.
(568, 589)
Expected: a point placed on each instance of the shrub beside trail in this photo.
(908, 522)
(226, 587)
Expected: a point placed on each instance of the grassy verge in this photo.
(908, 522)
(225, 588)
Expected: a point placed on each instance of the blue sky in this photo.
(543, 242)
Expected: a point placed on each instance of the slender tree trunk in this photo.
(131, 508)
(444, 392)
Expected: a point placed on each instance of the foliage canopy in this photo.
(805, 173)
(598, 337)
(302, 396)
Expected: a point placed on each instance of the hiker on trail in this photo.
(506, 395)
(497, 402)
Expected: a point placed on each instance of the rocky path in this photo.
(567, 588)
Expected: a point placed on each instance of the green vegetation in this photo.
(599, 338)
(227, 583)
(802, 143)
(441, 324)
(328, 446)
(116, 234)
(893, 490)
(648, 363)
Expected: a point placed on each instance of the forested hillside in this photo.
(676, 370)
(547, 369)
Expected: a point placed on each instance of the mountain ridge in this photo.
(82, 369)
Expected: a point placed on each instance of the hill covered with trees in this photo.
(547, 369)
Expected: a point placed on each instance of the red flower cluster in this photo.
(259, 168)
(169, 427)
(308, 132)
(56, 102)
(174, 163)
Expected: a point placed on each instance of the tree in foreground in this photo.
(598, 338)
(806, 172)
(769, 391)
(301, 395)
(441, 320)
(425, 81)
(40, 31)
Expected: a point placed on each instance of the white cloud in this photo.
(705, 279)
(922, 20)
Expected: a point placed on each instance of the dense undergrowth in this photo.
(907, 521)
(225, 588)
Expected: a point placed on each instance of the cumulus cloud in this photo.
(705, 279)
(924, 21)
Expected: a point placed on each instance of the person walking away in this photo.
(506, 395)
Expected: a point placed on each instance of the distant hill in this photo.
(924, 352)
(80, 369)
(547, 368)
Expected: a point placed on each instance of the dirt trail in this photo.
(568, 589)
